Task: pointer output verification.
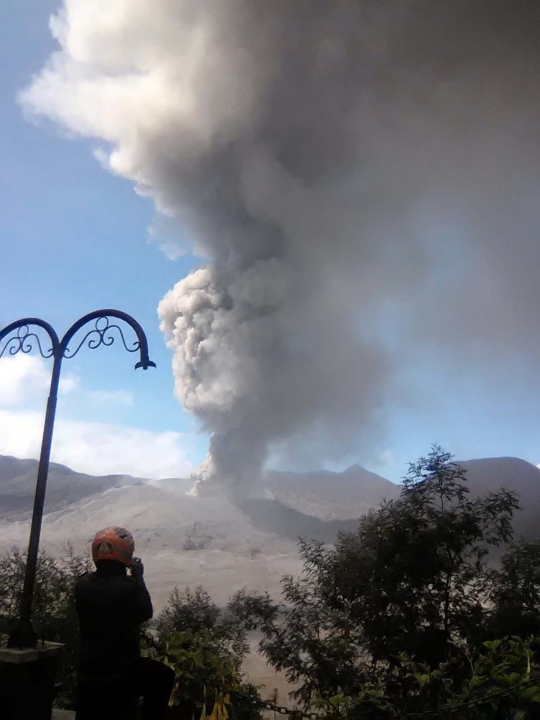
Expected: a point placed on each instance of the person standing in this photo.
(111, 605)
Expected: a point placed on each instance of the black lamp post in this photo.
(22, 339)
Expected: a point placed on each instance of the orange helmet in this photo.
(113, 543)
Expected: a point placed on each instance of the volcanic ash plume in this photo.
(358, 175)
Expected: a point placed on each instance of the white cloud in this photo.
(69, 383)
(97, 448)
(23, 378)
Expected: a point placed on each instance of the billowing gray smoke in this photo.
(360, 175)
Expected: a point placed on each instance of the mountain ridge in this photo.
(221, 543)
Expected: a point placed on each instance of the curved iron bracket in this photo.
(103, 333)
(24, 340)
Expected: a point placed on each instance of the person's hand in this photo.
(137, 568)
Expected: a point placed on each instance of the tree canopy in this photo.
(411, 593)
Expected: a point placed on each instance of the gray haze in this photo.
(358, 175)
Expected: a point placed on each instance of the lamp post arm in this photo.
(24, 340)
(102, 334)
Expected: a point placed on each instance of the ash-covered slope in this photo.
(315, 505)
(167, 520)
(490, 474)
(64, 486)
(280, 516)
(273, 516)
(183, 540)
(330, 495)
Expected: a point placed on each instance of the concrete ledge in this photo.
(27, 681)
(18, 656)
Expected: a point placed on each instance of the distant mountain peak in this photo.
(355, 467)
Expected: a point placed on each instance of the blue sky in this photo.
(74, 238)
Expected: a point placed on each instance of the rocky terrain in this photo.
(212, 541)
(188, 540)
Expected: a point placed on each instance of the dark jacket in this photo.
(110, 606)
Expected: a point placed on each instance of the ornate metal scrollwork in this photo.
(99, 335)
(20, 336)
(25, 341)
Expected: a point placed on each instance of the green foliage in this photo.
(201, 671)
(205, 646)
(498, 683)
(396, 614)
(195, 612)
(54, 617)
(516, 592)
(415, 577)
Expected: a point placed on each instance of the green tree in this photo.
(497, 682)
(412, 584)
(205, 645)
(54, 617)
(195, 612)
(516, 592)
(415, 577)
